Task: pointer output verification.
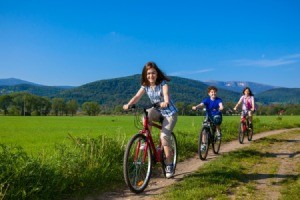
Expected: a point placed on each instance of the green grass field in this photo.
(41, 133)
(36, 134)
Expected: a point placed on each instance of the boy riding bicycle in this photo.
(213, 105)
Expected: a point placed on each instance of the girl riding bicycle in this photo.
(248, 104)
(213, 105)
(154, 83)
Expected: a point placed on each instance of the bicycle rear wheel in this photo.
(250, 133)
(173, 148)
(216, 143)
(137, 163)
(203, 141)
(241, 132)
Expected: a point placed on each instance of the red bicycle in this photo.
(141, 153)
(244, 128)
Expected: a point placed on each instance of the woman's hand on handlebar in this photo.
(164, 104)
(125, 107)
(128, 107)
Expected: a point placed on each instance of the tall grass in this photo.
(88, 165)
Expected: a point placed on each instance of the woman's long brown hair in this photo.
(160, 75)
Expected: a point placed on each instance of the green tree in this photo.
(118, 109)
(228, 108)
(5, 102)
(18, 104)
(91, 108)
(58, 106)
(42, 106)
(72, 107)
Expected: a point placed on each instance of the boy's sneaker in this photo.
(203, 147)
(169, 171)
(219, 135)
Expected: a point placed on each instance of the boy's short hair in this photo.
(212, 88)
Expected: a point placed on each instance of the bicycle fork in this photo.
(244, 124)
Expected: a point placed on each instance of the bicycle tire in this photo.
(241, 132)
(250, 133)
(173, 146)
(203, 154)
(137, 163)
(216, 143)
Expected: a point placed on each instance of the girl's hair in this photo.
(160, 75)
(250, 92)
(212, 88)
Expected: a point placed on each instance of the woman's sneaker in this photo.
(169, 171)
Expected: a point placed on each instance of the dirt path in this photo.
(186, 167)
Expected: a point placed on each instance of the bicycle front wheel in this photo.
(203, 144)
(241, 132)
(216, 143)
(173, 151)
(137, 163)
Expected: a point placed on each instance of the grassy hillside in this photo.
(280, 95)
(46, 91)
(118, 91)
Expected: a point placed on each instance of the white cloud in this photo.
(292, 56)
(285, 60)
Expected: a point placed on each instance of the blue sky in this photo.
(67, 42)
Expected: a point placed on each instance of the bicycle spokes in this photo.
(137, 164)
(216, 143)
(203, 144)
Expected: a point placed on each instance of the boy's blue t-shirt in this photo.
(212, 106)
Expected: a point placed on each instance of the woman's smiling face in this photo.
(151, 76)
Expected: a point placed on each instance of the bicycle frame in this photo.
(244, 120)
(147, 132)
(244, 128)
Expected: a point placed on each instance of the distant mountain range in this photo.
(118, 91)
(14, 81)
(238, 86)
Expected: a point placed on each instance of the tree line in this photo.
(26, 104)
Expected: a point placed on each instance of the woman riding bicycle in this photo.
(154, 83)
(248, 104)
(213, 105)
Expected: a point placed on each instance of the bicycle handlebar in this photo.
(134, 106)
